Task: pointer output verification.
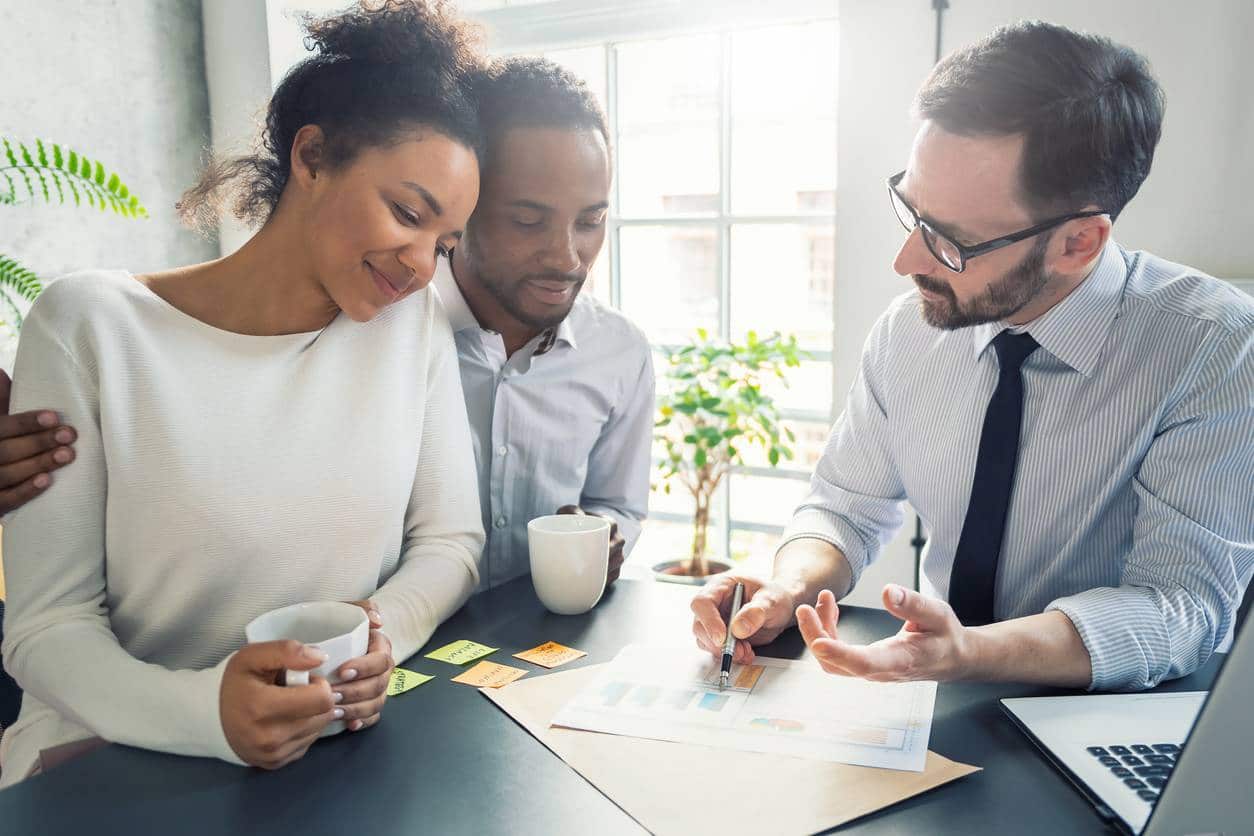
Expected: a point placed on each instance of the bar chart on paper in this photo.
(774, 705)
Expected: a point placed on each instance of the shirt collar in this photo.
(462, 318)
(459, 314)
(1075, 329)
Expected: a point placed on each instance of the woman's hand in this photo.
(364, 682)
(267, 724)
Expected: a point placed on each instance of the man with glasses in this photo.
(1073, 422)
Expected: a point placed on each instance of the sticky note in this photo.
(460, 652)
(550, 655)
(403, 680)
(489, 675)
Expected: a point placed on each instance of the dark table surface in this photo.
(445, 760)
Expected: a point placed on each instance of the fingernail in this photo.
(41, 481)
(356, 725)
(337, 696)
(899, 594)
(313, 654)
(338, 713)
(61, 455)
(63, 436)
(348, 675)
(46, 419)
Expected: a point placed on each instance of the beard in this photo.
(508, 292)
(1011, 292)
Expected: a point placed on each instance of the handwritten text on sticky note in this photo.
(403, 680)
(460, 652)
(550, 655)
(489, 675)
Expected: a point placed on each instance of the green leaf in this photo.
(773, 456)
(700, 458)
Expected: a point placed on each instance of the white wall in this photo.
(1194, 208)
(123, 83)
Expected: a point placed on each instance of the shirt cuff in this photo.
(817, 524)
(1123, 630)
(206, 705)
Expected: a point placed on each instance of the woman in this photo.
(282, 425)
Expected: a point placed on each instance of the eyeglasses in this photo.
(948, 251)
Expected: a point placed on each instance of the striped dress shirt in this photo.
(566, 420)
(1133, 505)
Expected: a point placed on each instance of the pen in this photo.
(729, 643)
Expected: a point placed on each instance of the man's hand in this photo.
(32, 445)
(616, 543)
(765, 612)
(931, 645)
(364, 681)
(266, 724)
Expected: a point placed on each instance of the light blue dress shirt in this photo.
(1133, 505)
(567, 420)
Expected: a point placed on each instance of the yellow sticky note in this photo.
(489, 675)
(550, 655)
(460, 652)
(403, 680)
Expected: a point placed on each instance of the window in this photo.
(723, 217)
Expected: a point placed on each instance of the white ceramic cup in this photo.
(342, 631)
(570, 556)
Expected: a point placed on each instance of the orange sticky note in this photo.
(489, 675)
(550, 655)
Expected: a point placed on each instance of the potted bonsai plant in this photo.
(716, 408)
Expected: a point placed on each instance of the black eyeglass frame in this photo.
(966, 253)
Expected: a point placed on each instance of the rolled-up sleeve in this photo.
(856, 495)
(1192, 551)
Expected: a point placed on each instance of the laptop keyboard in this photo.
(1143, 767)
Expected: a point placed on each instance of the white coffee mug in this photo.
(340, 630)
(570, 556)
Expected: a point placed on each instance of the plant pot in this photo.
(675, 571)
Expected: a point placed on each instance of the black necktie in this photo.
(974, 576)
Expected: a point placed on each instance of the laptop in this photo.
(1157, 764)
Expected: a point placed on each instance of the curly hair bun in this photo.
(398, 32)
(378, 69)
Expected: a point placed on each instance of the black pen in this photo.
(729, 643)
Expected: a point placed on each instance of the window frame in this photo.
(564, 25)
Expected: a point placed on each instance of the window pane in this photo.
(668, 106)
(809, 387)
(765, 500)
(781, 280)
(598, 281)
(783, 101)
(669, 280)
(588, 63)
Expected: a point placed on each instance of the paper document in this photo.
(774, 706)
(656, 781)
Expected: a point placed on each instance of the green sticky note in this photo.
(461, 652)
(403, 680)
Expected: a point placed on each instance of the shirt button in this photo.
(500, 522)
(502, 450)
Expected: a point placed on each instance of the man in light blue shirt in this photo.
(1073, 422)
(559, 388)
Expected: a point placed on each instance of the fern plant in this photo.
(52, 174)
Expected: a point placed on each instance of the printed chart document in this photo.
(774, 706)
